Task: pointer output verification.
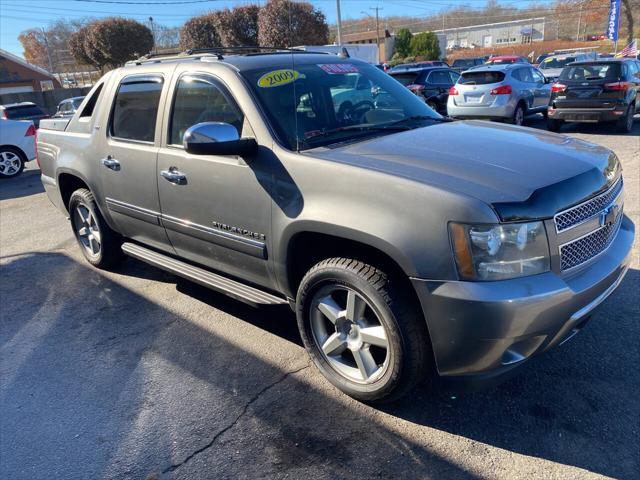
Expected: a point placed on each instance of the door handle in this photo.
(174, 176)
(111, 163)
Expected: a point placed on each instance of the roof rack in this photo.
(217, 52)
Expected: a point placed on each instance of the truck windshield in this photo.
(312, 105)
(556, 62)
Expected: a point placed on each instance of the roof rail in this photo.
(211, 51)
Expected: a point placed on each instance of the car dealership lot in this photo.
(135, 373)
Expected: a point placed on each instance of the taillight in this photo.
(558, 87)
(502, 90)
(35, 142)
(453, 91)
(31, 131)
(619, 86)
(4, 114)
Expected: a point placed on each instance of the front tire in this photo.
(100, 245)
(12, 162)
(362, 329)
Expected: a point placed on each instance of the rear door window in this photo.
(439, 77)
(135, 109)
(480, 78)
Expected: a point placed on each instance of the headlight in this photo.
(499, 252)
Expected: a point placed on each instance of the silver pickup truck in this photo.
(409, 246)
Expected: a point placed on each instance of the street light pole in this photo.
(377, 9)
(339, 22)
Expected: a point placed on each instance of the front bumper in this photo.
(483, 330)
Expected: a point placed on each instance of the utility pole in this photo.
(339, 22)
(579, 22)
(377, 9)
(46, 46)
(153, 34)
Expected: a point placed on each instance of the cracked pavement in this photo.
(134, 373)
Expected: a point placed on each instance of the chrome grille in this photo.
(579, 251)
(574, 215)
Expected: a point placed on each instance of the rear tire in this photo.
(100, 245)
(362, 329)
(518, 115)
(625, 124)
(12, 162)
(554, 125)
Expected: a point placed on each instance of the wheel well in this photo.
(17, 149)
(68, 183)
(308, 248)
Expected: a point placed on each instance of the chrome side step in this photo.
(232, 288)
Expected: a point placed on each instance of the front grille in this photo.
(579, 251)
(575, 215)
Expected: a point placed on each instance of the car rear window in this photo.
(591, 72)
(405, 78)
(24, 111)
(463, 63)
(480, 78)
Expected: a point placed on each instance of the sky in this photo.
(19, 15)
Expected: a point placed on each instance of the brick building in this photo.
(19, 76)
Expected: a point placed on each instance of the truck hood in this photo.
(521, 172)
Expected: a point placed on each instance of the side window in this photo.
(517, 74)
(135, 109)
(87, 111)
(454, 76)
(537, 76)
(439, 77)
(200, 99)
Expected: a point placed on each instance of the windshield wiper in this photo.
(417, 118)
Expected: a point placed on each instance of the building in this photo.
(19, 76)
(496, 34)
(385, 47)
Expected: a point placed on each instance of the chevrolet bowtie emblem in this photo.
(609, 216)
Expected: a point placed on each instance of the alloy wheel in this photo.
(349, 334)
(88, 230)
(519, 117)
(10, 163)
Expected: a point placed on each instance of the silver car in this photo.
(501, 92)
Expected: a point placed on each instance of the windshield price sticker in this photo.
(338, 68)
(277, 78)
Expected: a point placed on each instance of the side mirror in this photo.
(547, 80)
(217, 138)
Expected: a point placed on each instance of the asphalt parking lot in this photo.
(135, 373)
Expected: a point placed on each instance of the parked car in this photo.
(506, 59)
(406, 243)
(17, 146)
(552, 66)
(432, 84)
(67, 107)
(541, 58)
(596, 91)
(500, 92)
(461, 64)
(23, 111)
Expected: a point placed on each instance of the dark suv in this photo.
(432, 84)
(596, 91)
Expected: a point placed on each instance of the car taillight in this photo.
(35, 143)
(31, 131)
(619, 86)
(502, 90)
(453, 91)
(4, 114)
(558, 87)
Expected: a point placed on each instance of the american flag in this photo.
(630, 50)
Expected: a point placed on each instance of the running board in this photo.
(232, 288)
